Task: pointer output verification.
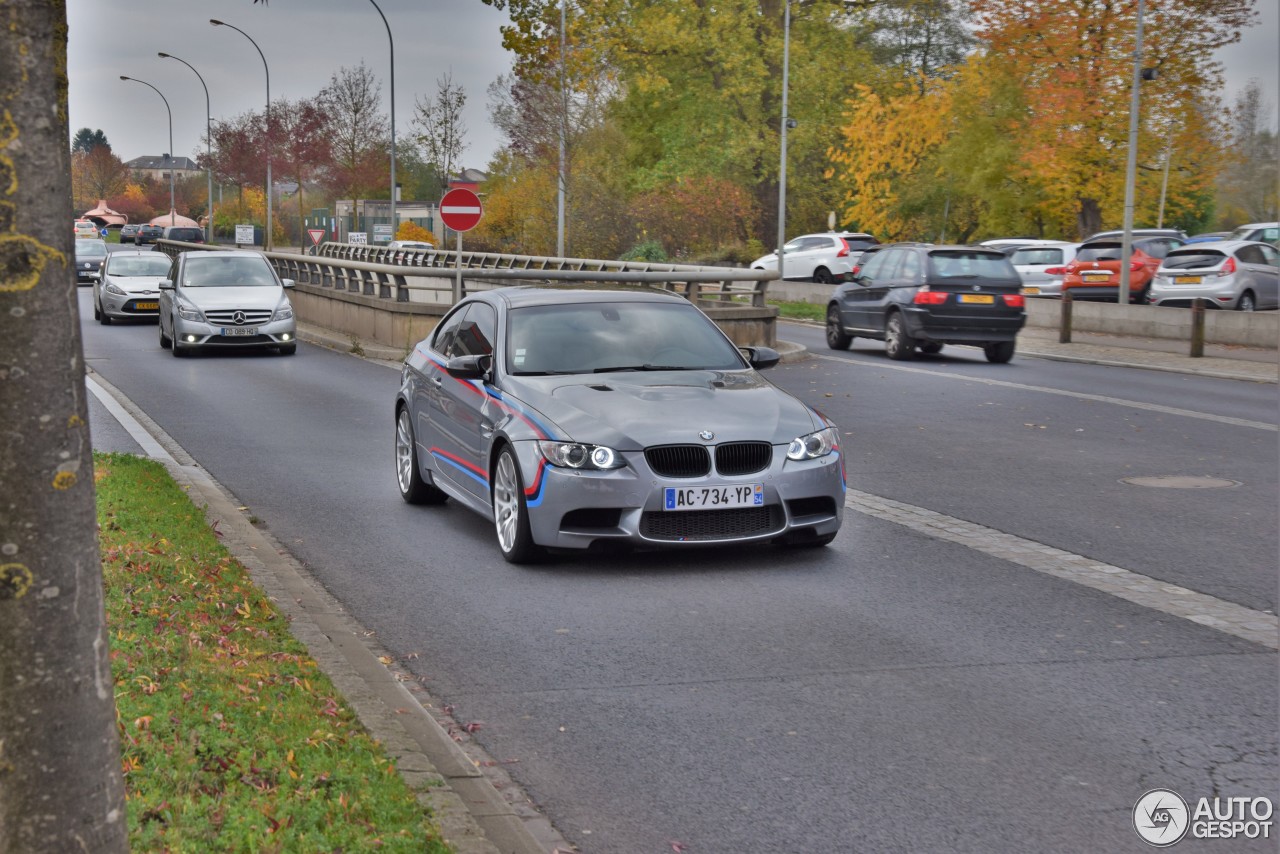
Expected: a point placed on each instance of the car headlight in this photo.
(814, 445)
(113, 288)
(190, 312)
(284, 312)
(574, 455)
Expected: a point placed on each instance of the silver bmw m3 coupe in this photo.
(577, 418)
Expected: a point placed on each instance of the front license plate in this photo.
(1096, 277)
(713, 497)
(239, 330)
(1186, 280)
(979, 299)
(146, 306)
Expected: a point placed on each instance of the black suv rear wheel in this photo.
(898, 343)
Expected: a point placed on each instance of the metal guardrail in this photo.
(386, 273)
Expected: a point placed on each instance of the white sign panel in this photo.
(358, 237)
(381, 233)
(244, 235)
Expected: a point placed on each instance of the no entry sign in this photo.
(460, 209)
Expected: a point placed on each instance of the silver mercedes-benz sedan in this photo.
(580, 418)
(229, 298)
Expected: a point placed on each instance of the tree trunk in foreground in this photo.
(61, 788)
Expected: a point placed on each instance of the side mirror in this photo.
(288, 283)
(469, 367)
(761, 357)
(166, 284)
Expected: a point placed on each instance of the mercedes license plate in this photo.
(239, 331)
(713, 497)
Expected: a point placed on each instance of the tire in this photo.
(165, 341)
(822, 276)
(97, 311)
(510, 513)
(287, 349)
(931, 348)
(1141, 298)
(413, 489)
(898, 343)
(999, 352)
(837, 338)
(1247, 302)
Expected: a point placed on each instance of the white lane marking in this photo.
(1257, 626)
(149, 445)
(1099, 398)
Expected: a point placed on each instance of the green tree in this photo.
(441, 132)
(87, 140)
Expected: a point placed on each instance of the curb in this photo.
(478, 811)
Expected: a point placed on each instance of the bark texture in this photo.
(61, 788)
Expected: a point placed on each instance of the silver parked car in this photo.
(1239, 274)
(574, 419)
(225, 299)
(130, 285)
(1041, 267)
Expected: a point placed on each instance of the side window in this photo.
(1270, 256)
(1251, 255)
(910, 271)
(871, 270)
(447, 331)
(1271, 235)
(475, 334)
(881, 263)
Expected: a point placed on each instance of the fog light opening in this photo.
(191, 339)
(285, 337)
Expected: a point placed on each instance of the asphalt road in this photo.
(892, 692)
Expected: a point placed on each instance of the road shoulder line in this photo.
(1256, 626)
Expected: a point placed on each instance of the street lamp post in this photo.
(394, 224)
(564, 120)
(267, 241)
(1131, 168)
(208, 139)
(786, 123)
(173, 208)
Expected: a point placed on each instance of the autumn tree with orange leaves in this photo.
(1073, 60)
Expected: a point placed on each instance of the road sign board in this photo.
(244, 235)
(360, 238)
(316, 235)
(460, 209)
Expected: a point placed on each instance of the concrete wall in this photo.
(1247, 329)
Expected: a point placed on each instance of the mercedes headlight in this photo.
(190, 312)
(284, 312)
(574, 455)
(814, 445)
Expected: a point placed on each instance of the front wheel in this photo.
(510, 513)
(1247, 302)
(898, 343)
(413, 489)
(837, 338)
(999, 352)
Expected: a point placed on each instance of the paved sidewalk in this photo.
(1243, 363)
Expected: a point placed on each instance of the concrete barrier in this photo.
(1240, 328)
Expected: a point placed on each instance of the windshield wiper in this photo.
(620, 368)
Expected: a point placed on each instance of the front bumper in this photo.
(575, 509)
(191, 333)
(130, 305)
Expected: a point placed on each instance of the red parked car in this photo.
(1095, 272)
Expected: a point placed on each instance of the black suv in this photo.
(924, 296)
(148, 234)
(184, 233)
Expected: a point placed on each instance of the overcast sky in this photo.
(307, 41)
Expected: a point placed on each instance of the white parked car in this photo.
(225, 299)
(1042, 266)
(1265, 232)
(823, 258)
(130, 285)
(1230, 274)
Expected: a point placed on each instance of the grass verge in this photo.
(232, 739)
(801, 310)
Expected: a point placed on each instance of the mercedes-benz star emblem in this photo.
(238, 318)
(706, 435)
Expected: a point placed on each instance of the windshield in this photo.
(91, 249)
(138, 265)
(971, 264)
(215, 270)
(583, 338)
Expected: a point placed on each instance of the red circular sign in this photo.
(460, 209)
